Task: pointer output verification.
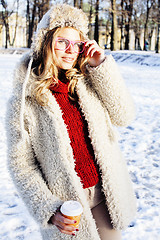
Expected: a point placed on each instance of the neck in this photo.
(62, 76)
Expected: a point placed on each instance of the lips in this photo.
(68, 59)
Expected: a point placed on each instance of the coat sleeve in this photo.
(25, 172)
(112, 91)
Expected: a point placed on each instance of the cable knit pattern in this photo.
(78, 132)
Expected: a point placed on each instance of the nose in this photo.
(70, 49)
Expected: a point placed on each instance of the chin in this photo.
(66, 66)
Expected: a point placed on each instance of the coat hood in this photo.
(60, 15)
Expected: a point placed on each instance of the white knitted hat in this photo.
(60, 15)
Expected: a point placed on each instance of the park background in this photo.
(114, 24)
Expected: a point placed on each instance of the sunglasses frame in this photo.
(70, 42)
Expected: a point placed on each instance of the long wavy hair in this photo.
(46, 72)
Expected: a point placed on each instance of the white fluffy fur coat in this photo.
(42, 163)
(40, 155)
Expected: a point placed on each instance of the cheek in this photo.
(76, 56)
(57, 54)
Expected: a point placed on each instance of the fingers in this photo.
(93, 48)
(60, 218)
(64, 224)
(66, 229)
(95, 53)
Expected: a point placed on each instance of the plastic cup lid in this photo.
(71, 208)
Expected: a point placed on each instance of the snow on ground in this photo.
(139, 142)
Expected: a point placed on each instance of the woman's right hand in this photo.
(63, 224)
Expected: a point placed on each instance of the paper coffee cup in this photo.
(72, 210)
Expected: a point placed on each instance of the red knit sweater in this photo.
(77, 127)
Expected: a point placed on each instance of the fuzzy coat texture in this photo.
(41, 159)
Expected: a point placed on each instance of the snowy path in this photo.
(140, 143)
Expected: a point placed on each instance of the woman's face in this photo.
(66, 56)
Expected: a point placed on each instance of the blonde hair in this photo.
(45, 70)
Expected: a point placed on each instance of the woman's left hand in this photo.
(95, 53)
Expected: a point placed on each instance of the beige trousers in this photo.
(100, 213)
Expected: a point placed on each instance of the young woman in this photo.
(62, 146)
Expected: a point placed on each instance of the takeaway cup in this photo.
(72, 210)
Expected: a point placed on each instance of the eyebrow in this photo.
(69, 39)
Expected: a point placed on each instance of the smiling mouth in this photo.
(68, 59)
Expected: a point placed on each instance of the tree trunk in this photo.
(127, 39)
(158, 33)
(96, 31)
(122, 22)
(6, 22)
(107, 33)
(90, 19)
(30, 22)
(6, 32)
(81, 4)
(43, 7)
(137, 42)
(15, 28)
(129, 9)
(27, 21)
(146, 23)
(114, 26)
(158, 40)
(6, 40)
(150, 35)
(76, 3)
